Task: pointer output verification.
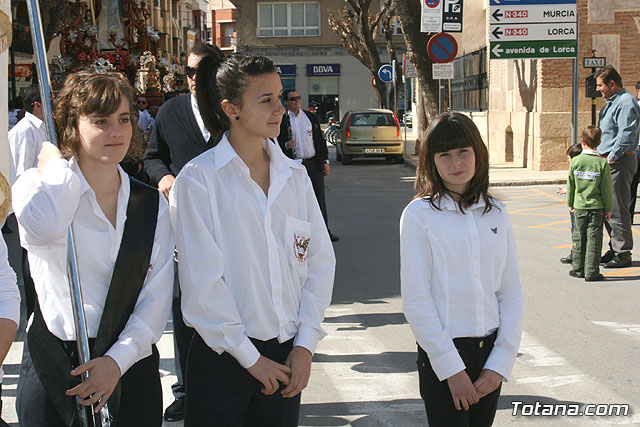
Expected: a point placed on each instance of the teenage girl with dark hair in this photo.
(124, 246)
(256, 263)
(461, 288)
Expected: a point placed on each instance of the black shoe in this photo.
(619, 262)
(597, 278)
(567, 259)
(608, 256)
(175, 411)
(574, 274)
(333, 237)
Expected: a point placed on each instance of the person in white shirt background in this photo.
(460, 280)
(15, 105)
(256, 263)
(25, 142)
(145, 122)
(92, 193)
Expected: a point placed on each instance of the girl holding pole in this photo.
(124, 247)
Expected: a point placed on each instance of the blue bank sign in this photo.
(286, 70)
(323, 70)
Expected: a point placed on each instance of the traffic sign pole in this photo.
(574, 103)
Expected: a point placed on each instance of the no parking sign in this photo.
(442, 48)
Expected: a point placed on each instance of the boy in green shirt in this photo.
(589, 196)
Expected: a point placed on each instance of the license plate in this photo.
(374, 150)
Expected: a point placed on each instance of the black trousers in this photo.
(221, 393)
(316, 174)
(140, 397)
(182, 335)
(436, 394)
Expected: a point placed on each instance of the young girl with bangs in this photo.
(460, 282)
(124, 247)
(256, 264)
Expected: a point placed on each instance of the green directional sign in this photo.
(534, 49)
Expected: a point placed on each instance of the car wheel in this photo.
(346, 159)
(399, 159)
(338, 152)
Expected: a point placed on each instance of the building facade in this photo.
(309, 56)
(223, 25)
(529, 102)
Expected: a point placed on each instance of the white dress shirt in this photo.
(250, 265)
(46, 204)
(460, 278)
(303, 134)
(196, 112)
(145, 120)
(9, 293)
(25, 143)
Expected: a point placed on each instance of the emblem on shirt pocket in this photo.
(495, 230)
(300, 247)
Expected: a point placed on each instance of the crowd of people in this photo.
(240, 254)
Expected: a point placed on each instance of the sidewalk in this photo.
(500, 174)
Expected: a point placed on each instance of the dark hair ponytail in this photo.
(234, 74)
(208, 95)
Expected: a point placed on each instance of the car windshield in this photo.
(372, 119)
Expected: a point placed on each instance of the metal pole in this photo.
(102, 419)
(406, 104)
(13, 72)
(574, 97)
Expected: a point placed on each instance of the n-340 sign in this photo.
(533, 29)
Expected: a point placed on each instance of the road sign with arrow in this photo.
(385, 73)
(521, 29)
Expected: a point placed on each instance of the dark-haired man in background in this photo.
(619, 121)
(306, 143)
(179, 135)
(25, 143)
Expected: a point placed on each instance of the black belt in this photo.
(628, 153)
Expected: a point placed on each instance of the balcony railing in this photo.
(226, 42)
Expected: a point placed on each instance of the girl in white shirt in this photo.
(255, 261)
(461, 288)
(124, 248)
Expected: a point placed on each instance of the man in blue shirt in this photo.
(619, 120)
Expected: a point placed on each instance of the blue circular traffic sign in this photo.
(386, 73)
(442, 48)
(432, 3)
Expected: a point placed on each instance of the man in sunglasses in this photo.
(301, 138)
(178, 136)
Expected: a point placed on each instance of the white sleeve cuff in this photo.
(307, 337)
(447, 364)
(501, 361)
(126, 355)
(10, 309)
(246, 353)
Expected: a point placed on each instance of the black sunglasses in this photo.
(191, 71)
(294, 98)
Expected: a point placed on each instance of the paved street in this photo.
(580, 343)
